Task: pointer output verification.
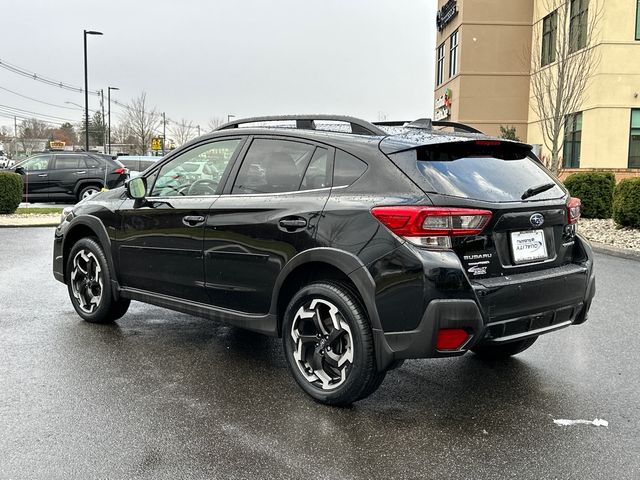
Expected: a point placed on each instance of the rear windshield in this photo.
(479, 177)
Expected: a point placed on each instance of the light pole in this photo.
(86, 90)
(109, 102)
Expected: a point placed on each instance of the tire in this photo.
(88, 281)
(500, 352)
(88, 191)
(328, 344)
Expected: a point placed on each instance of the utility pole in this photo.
(198, 129)
(109, 101)
(164, 131)
(103, 130)
(15, 138)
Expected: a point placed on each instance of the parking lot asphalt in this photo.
(166, 395)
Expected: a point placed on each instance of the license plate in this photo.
(528, 246)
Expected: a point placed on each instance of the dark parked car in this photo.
(70, 176)
(359, 249)
(136, 164)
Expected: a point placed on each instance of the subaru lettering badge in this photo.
(537, 219)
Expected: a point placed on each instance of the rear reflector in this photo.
(420, 221)
(451, 339)
(573, 210)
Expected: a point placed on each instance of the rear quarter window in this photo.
(347, 169)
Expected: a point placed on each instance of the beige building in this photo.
(484, 67)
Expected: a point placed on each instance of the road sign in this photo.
(156, 144)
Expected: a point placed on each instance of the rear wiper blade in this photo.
(533, 191)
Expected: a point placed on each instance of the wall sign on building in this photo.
(447, 13)
(442, 106)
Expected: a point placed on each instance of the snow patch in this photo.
(596, 422)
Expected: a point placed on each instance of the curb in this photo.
(35, 225)
(625, 253)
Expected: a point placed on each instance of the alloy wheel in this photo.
(323, 344)
(89, 192)
(86, 281)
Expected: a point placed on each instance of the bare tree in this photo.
(182, 131)
(558, 87)
(215, 122)
(6, 132)
(121, 133)
(143, 121)
(31, 133)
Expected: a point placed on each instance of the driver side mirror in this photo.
(137, 188)
(20, 170)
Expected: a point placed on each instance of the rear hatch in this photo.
(529, 229)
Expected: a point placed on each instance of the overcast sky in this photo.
(198, 59)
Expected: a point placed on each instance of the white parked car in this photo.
(6, 162)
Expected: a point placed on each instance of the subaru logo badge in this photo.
(537, 219)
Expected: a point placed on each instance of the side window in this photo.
(273, 166)
(92, 162)
(68, 161)
(317, 174)
(195, 172)
(40, 162)
(347, 169)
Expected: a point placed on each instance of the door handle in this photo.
(42, 175)
(81, 173)
(292, 225)
(193, 220)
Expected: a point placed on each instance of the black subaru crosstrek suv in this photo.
(68, 176)
(359, 248)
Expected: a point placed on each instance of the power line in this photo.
(42, 79)
(20, 117)
(55, 117)
(39, 101)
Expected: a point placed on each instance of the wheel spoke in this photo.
(315, 361)
(306, 338)
(334, 335)
(317, 320)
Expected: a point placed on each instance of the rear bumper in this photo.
(505, 309)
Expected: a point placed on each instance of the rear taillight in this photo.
(451, 339)
(120, 171)
(573, 210)
(432, 226)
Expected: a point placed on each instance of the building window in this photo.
(572, 140)
(453, 54)
(440, 68)
(638, 21)
(549, 34)
(634, 142)
(578, 25)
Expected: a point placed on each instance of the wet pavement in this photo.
(166, 395)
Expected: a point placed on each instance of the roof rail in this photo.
(428, 124)
(392, 123)
(358, 126)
